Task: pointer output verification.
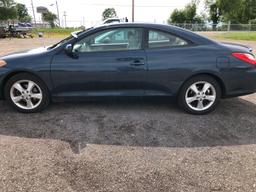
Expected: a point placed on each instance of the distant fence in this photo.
(219, 27)
(192, 27)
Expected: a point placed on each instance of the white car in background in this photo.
(115, 20)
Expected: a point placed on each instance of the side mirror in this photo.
(69, 51)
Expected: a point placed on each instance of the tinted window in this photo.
(111, 40)
(158, 39)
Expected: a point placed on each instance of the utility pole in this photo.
(83, 21)
(132, 10)
(65, 18)
(58, 12)
(32, 4)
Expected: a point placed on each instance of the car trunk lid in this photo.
(235, 47)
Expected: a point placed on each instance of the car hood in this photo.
(237, 47)
(31, 52)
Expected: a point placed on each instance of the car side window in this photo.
(111, 40)
(159, 39)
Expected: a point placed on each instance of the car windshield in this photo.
(61, 42)
(73, 35)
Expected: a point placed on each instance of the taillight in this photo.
(246, 57)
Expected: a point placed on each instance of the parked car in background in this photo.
(16, 30)
(115, 20)
(129, 59)
(3, 32)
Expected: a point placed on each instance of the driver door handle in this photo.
(134, 61)
(137, 62)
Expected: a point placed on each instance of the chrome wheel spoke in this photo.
(17, 99)
(29, 103)
(200, 105)
(210, 98)
(18, 87)
(191, 99)
(194, 89)
(36, 95)
(206, 87)
(30, 86)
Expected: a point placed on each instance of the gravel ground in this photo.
(127, 145)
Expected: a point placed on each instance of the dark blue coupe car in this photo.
(130, 59)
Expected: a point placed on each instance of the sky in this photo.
(88, 12)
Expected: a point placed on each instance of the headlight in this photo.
(2, 63)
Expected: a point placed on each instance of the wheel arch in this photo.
(214, 76)
(12, 74)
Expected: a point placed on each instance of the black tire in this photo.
(201, 78)
(26, 76)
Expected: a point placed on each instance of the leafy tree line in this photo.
(186, 15)
(234, 11)
(11, 10)
(50, 17)
(109, 13)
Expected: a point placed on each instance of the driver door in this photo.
(109, 63)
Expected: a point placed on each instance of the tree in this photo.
(231, 9)
(7, 10)
(190, 12)
(236, 11)
(109, 13)
(50, 17)
(214, 12)
(177, 17)
(22, 13)
(186, 15)
(7, 13)
(7, 3)
(249, 11)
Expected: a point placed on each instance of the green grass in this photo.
(248, 36)
(55, 32)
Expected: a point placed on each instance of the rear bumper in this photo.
(240, 82)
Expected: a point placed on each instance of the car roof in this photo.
(137, 24)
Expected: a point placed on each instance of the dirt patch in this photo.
(15, 45)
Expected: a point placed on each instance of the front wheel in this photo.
(200, 95)
(26, 93)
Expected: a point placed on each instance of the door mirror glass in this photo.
(68, 49)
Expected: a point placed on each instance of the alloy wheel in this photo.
(26, 94)
(200, 96)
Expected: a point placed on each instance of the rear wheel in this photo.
(200, 95)
(26, 93)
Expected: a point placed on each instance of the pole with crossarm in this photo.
(132, 10)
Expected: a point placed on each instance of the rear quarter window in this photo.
(159, 39)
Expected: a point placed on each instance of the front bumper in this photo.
(3, 75)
